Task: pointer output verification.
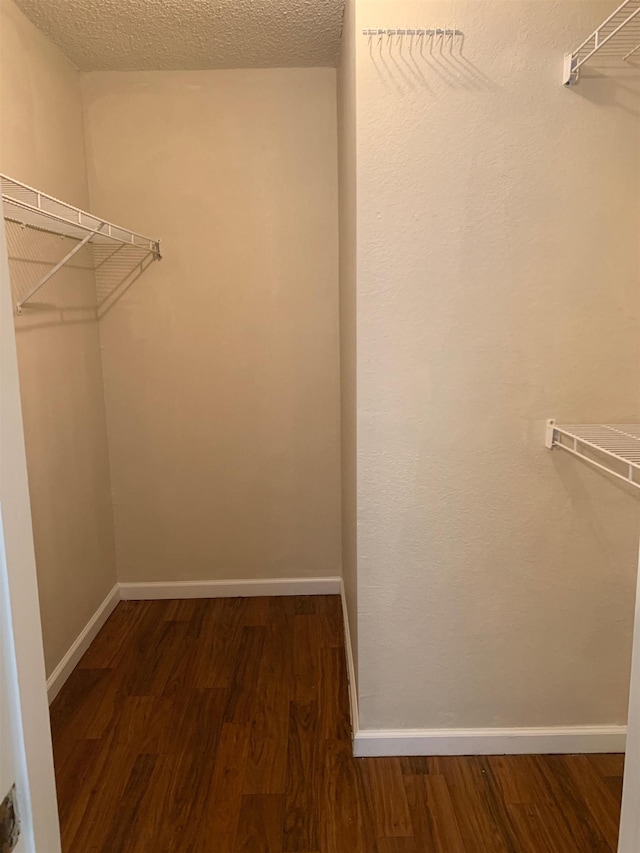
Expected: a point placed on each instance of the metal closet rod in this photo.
(78, 224)
(47, 215)
(43, 208)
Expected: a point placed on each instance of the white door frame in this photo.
(629, 839)
(27, 732)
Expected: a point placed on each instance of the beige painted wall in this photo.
(497, 286)
(348, 291)
(42, 144)
(221, 362)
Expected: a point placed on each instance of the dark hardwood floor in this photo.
(222, 726)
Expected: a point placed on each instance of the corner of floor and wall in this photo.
(284, 408)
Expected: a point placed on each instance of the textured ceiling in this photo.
(128, 35)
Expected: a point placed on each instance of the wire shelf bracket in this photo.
(618, 37)
(32, 208)
(613, 448)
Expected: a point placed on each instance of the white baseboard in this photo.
(366, 742)
(81, 644)
(559, 740)
(230, 588)
(351, 669)
(526, 741)
(176, 590)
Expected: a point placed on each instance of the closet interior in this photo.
(309, 578)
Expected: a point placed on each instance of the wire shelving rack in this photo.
(617, 38)
(32, 208)
(613, 448)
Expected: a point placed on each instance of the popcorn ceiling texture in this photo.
(129, 35)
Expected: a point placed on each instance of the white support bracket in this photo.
(550, 433)
(570, 71)
(58, 267)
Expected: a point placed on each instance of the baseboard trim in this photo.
(178, 590)
(525, 741)
(81, 644)
(351, 669)
(230, 588)
(366, 742)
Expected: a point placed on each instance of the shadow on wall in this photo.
(116, 268)
(83, 291)
(611, 86)
(409, 61)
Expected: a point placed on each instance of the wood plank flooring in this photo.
(220, 726)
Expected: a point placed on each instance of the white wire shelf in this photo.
(614, 448)
(32, 208)
(617, 38)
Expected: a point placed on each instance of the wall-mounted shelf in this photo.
(614, 448)
(616, 38)
(34, 209)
